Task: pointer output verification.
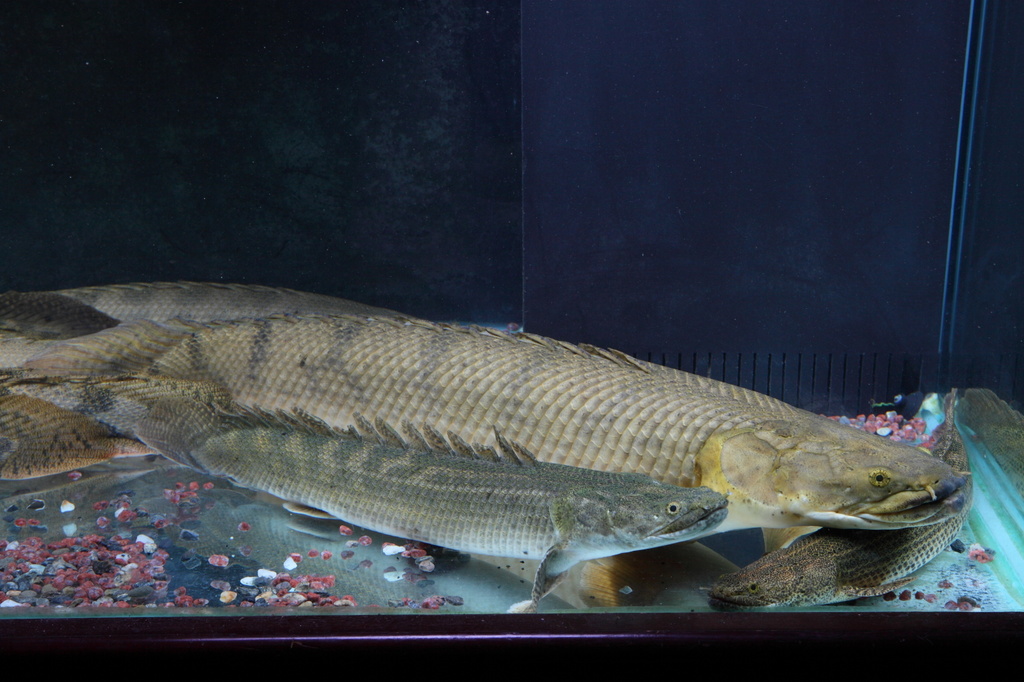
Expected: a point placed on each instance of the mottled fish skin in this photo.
(999, 427)
(575, 405)
(33, 322)
(38, 438)
(838, 565)
(118, 402)
(475, 499)
(208, 301)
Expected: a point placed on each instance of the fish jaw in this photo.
(921, 508)
(680, 531)
(809, 470)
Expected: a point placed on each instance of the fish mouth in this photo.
(729, 602)
(931, 504)
(686, 528)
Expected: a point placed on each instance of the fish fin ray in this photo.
(616, 356)
(41, 439)
(306, 510)
(49, 315)
(128, 347)
(780, 538)
(850, 592)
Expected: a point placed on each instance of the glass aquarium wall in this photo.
(814, 200)
(983, 331)
(364, 150)
(762, 192)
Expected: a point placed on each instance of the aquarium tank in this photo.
(818, 202)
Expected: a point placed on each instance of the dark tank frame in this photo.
(967, 335)
(625, 634)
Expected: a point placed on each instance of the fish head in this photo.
(778, 579)
(814, 471)
(639, 513)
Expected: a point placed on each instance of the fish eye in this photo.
(880, 478)
(753, 588)
(673, 508)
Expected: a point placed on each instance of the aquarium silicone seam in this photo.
(961, 177)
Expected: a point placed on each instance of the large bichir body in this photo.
(571, 405)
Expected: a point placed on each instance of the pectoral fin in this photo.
(552, 570)
(306, 510)
(780, 538)
(858, 592)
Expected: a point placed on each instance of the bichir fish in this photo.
(568, 404)
(839, 565)
(489, 500)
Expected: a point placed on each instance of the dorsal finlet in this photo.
(388, 435)
(366, 429)
(237, 416)
(435, 441)
(461, 447)
(487, 452)
(414, 436)
(512, 451)
(616, 356)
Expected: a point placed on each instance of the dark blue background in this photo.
(740, 175)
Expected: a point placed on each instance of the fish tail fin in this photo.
(38, 439)
(980, 409)
(128, 347)
(48, 315)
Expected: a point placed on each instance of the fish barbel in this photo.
(496, 501)
(576, 405)
(838, 565)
